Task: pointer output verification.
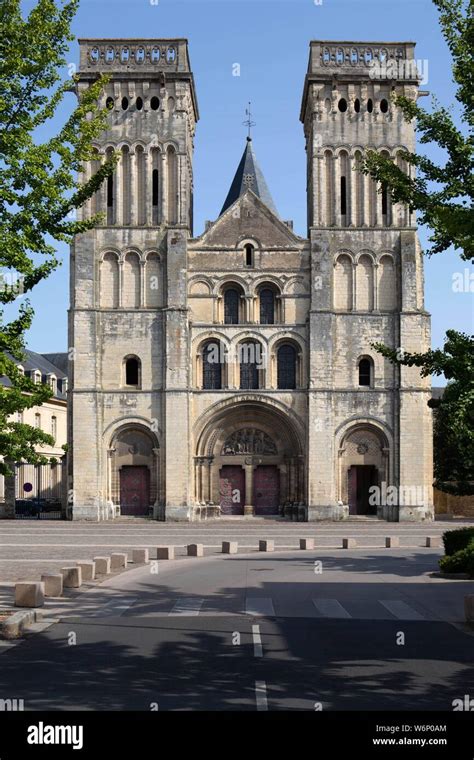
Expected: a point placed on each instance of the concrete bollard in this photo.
(165, 552)
(230, 547)
(72, 577)
(53, 584)
(140, 557)
(29, 594)
(102, 565)
(266, 546)
(306, 543)
(195, 550)
(433, 541)
(118, 561)
(88, 569)
(391, 542)
(469, 608)
(348, 543)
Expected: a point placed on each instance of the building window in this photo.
(365, 372)
(19, 417)
(267, 306)
(286, 362)
(249, 364)
(249, 255)
(370, 105)
(54, 428)
(155, 187)
(384, 199)
(231, 307)
(211, 367)
(343, 197)
(132, 371)
(38, 421)
(342, 105)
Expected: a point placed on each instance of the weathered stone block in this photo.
(140, 557)
(434, 541)
(266, 546)
(53, 584)
(165, 552)
(102, 565)
(306, 543)
(29, 594)
(230, 547)
(72, 577)
(349, 543)
(118, 561)
(88, 569)
(195, 550)
(391, 542)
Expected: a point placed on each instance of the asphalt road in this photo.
(363, 631)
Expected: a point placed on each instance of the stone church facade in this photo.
(232, 373)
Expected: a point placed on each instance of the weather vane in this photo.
(248, 122)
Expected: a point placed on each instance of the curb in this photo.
(452, 576)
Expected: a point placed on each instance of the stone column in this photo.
(156, 467)
(118, 199)
(352, 179)
(164, 188)
(120, 284)
(205, 479)
(376, 287)
(248, 505)
(142, 284)
(110, 490)
(133, 189)
(366, 211)
(354, 287)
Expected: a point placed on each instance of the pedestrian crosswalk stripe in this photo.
(187, 606)
(259, 605)
(401, 610)
(261, 696)
(330, 608)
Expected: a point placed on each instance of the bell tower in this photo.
(128, 282)
(366, 279)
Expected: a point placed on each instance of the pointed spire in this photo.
(249, 176)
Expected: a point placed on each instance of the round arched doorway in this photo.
(133, 471)
(249, 460)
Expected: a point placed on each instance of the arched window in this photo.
(211, 366)
(249, 360)
(267, 306)
(365, 372)
(286, 363)
(132, 371)
(231, 307)
(54, 427)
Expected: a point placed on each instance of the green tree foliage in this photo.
(454, 412)
(442, 195)
(38, 187)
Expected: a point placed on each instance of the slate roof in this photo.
(43, 363)
(249, 175)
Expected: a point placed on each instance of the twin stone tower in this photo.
(233, 373)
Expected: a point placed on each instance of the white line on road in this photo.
(330, 608)
(401, 610)
(114, 608)
(261, 696)
(257, 641)
(187, 606)
(259, 605)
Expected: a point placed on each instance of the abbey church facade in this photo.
(232, 372)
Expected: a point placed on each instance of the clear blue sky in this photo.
(269, 39)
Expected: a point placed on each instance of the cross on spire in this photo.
(248, 122)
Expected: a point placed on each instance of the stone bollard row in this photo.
(87, 569)
(72, 577)
(53, 584)
(118, 561)
(266, 546)
(306, 543)
(392, 542)
(102, 565)
(29, 594)
(433, 541)
(195, 550)
(140, 557)
(349, 543)
(165, 552)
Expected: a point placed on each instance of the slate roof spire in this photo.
(249, 176)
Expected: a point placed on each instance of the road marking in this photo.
(259, 605)
(114, 608)
(401, 610)
(261, 696)
(330, 608)
(257, 641)
(187, 606)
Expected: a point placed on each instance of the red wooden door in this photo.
(134, 490)
(266, 496)
(232, 489)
